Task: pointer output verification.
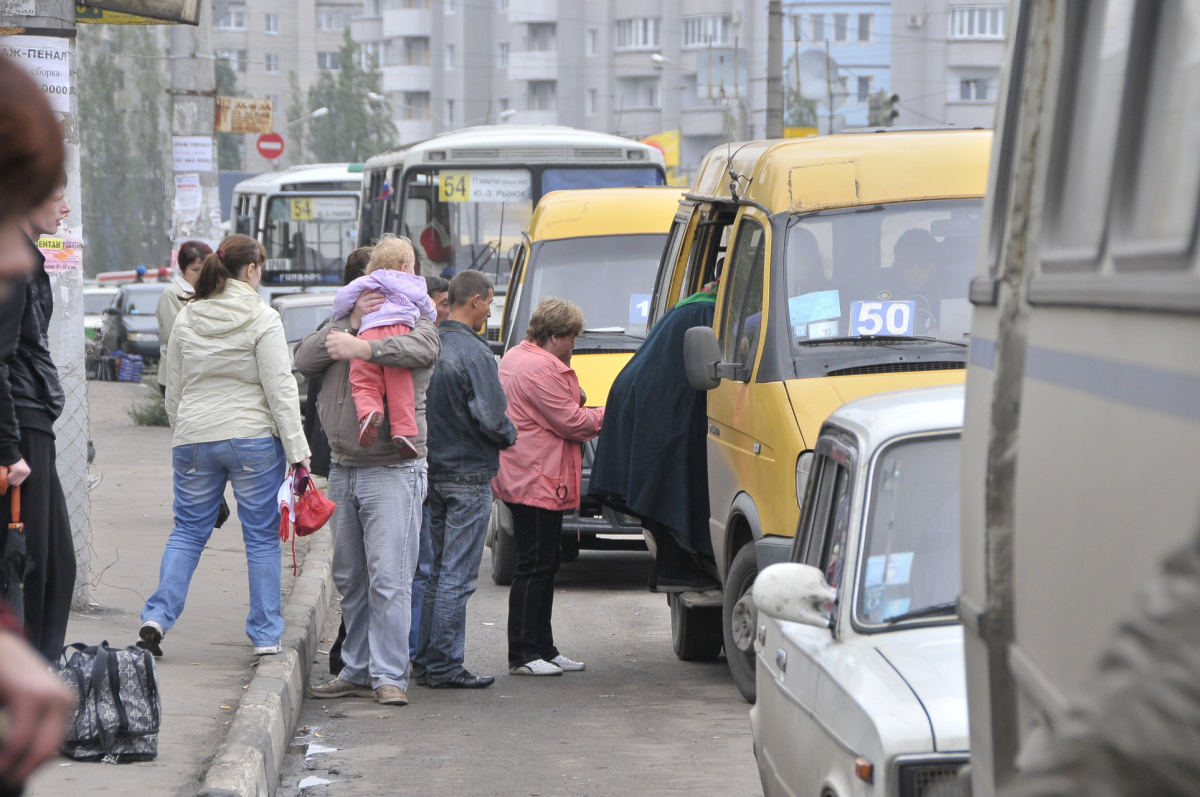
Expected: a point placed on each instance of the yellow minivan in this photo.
(844, 264)
(599, 248)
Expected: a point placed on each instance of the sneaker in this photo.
(267, 650)
(536, 667)
(568, 665)
(389, 695)
(404, 446)
(465, 680)
(368, 429)
(150, 638)
(339, 688)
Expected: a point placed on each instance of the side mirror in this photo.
(701, 358)
(796, 593)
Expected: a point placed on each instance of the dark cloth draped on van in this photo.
(651, 459)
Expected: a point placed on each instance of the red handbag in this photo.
(312, 508)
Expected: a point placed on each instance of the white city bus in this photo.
(464, 198)
(306, 217)
(1082, 434)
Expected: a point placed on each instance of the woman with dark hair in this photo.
(233, 404)
(540, 474)
(190, 260)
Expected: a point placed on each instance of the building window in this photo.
(818, 27)
(272, 63)
(593, 102)
(391, 55)
(451, 57)
(502, 53)
(448, 6)
(705, 30)
(864, 27)
(502, 5)
(977, 22)
(328, 19)
(841, 27)
(539, 37)
(639, 93)
(234, 19)
(415, 4)
(503, 102)
(973, 88)
(638, 34)
(864, 89)
(370, 54)
(416, 106)
(328, 62)
(541, 95)
(374, 8)
(449, 112)
(235, 58)
(416, 51)
(271, 23)
(593, 42)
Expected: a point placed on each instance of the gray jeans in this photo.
(376, 532)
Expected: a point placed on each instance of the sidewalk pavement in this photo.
(228, 716)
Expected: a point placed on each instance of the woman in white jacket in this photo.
(232, 402)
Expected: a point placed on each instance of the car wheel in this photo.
(739, 619)
(504, 548)
(695, 631)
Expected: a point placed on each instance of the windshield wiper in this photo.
(882, 339)
(928, 611)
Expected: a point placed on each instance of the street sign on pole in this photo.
(270, 145)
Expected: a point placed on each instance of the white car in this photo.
(861, 681)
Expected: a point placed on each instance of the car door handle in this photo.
(781, 660)
(714, 430)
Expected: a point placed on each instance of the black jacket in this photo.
(31, 396)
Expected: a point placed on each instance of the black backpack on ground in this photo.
(118, 707)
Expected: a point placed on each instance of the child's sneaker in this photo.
(404, 446)
(368, 429)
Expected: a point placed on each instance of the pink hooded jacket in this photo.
(543, 467)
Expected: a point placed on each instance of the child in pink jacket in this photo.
(391, 272)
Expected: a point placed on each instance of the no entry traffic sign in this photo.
(270, 145)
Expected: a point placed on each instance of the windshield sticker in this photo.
(895, 608)
(639, 308)
(899, 569)
(873, 598)
(334, 208)
(490, 185)
(822, 329)
(874, 574)
(811, 307)
(881, 318)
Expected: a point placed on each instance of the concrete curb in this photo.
(248, 762)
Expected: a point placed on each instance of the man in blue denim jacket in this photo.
(467, 428)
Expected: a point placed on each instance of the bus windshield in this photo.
(896, 270)
(310, 233)
(610, 277)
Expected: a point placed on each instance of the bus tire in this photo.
(695, 631)
(739, 619)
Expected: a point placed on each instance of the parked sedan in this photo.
(95, 301)
(129, 324)
(302, 313)
(860, 676)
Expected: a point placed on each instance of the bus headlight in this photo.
(803, 471)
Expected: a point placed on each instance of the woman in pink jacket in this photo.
(539, 476)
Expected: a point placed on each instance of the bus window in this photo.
(310, 233)
(565, 179)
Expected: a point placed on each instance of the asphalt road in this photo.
(638, 721)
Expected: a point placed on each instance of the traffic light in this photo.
(881, 109)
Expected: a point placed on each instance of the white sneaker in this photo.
(267, 650)
(536, 667)
(567, 665)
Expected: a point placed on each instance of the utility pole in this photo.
(40, 35)
(197, 207)
(774, 126)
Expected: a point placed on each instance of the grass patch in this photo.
(150, 410)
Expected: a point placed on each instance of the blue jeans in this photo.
(459, 516)
(376, 529)
(420, 578)
(256, 467)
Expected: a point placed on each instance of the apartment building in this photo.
(632, 67)
(264, 41)
(946, 60)
(857, 37)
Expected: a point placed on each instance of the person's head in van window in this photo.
(915, 257)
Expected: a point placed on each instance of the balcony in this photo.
(407, 78)
(414, 130)
(399, 22)
(522, 11)
(366, 29)
(534, 65)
